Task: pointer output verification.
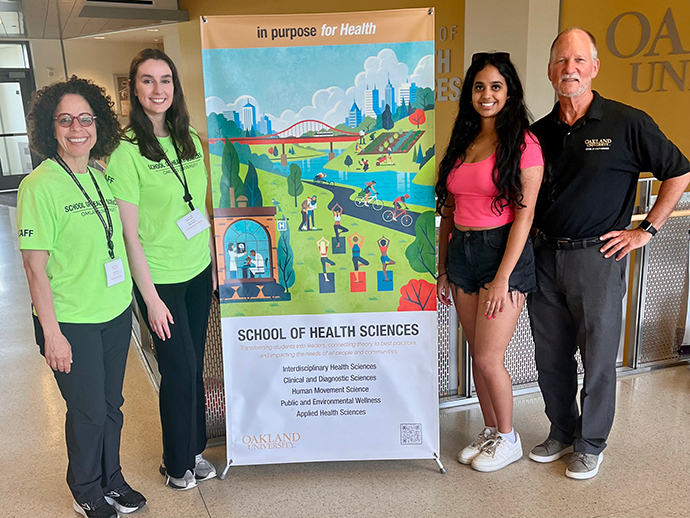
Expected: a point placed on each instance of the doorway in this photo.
(16, 86)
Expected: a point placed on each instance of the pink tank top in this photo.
(474, 190)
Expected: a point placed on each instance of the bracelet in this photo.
(441, 275)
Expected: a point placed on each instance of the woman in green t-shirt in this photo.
(160, 182)
(71, 241)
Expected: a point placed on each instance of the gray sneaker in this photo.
(550, 450)
(203, 469)
(583, 465)
(181, 484)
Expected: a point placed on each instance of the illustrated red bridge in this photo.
(302, 132)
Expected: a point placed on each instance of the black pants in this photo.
(181, 365)
(578, 304)
(93, 393)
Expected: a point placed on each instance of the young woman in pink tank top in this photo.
(486, 192)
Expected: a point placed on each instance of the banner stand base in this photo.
(438, 461)
(227, 468)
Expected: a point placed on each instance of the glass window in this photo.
(13, 55)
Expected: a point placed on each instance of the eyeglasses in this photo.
(66, 120)
(496, 57)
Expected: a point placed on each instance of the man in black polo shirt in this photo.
(594, 150)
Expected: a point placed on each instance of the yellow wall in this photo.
(645, 56)
(450, 16)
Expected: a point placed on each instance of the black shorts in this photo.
(474, 257)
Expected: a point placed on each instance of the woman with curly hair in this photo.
(160, 183)
(486, 191)
(71, 241)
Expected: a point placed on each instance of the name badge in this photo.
(193, 223)
(115, 272)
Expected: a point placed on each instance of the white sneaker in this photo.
(498, 454)
(203, 469)
(468, 453)
(181, 484)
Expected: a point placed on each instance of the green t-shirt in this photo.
(53, 215)
(153, 187)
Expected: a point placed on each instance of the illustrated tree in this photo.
(428, 155)
(420, 156)
(367, 124)
(230, 181)
(286, 272)
(248, 291)
(401, 112)
(275, 150)
(294, 182)
(410, 108)
(348, 160)
(417, 295)
(213, 125)
(251, 187)
(418, 117)
(273, 290)
(387, 118)
(421, 254)
(426, 95)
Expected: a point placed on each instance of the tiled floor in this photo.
(646, 471)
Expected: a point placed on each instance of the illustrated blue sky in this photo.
(286, 78)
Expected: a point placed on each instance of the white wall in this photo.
(525, 28)
(99, 60)
(46, 56)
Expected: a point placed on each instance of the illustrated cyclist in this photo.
(320, 177)
(367, 192)
(397, 209)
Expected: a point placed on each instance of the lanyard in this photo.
(187, 195)
(108, 227)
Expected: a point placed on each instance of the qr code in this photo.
(410, 433)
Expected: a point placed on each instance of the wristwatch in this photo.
(647, 226)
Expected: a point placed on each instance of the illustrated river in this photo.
(389, 184)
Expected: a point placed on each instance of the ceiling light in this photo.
(151, 30)
(99, 37)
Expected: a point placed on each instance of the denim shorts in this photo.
(474, 257)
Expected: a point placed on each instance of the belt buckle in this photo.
(561, 242)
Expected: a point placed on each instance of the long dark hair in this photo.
(176, 117)
(511, 123)
(44, 102)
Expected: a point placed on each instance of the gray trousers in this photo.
(578, 304)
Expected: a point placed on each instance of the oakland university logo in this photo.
(597, 144)
(269, 441)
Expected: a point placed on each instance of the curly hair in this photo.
(511, 124)
(177, 116)
(42, 109)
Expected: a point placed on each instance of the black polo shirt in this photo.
(592, 168)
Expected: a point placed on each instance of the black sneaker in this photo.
(98, 509)
(125, 499)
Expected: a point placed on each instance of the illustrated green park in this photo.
(251, 172)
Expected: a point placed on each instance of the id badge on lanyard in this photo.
(193, 223)
(115, 272)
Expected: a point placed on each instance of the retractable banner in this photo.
(321, 139)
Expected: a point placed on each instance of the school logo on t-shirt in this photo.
(597, 144)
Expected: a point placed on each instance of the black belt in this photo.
(564, 243)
